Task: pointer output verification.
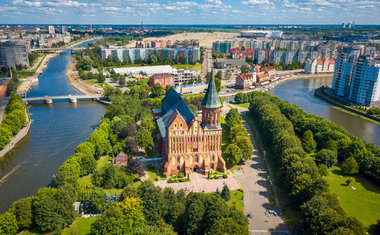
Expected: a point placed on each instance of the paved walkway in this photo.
(256, 198)
(200, 183)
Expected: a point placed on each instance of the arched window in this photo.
(178, 168)
(196, 158)
(212, 166)
(180, 125)
(178, 159)
(175, 125)
(213, 157)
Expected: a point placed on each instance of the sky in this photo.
(189, 12)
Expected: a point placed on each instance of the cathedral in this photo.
(188, 144)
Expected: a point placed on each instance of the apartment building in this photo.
(357, 77)
(14, 53)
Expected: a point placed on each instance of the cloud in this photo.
(255, 2)
(59, 3)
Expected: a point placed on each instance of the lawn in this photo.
(80, 226)
(362, 203)
(244, 105)
(236, 200)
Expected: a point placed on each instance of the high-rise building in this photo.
(224, 47)
(63, 29)
(14, 53)
(357, 77)
(51, 29)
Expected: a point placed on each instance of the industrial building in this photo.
(261, 34)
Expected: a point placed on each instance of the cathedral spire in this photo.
(211, 99)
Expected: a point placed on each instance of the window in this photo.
(178, 168)
(178, 159)
(196, 158)
(213, 157)
(180, 125)
(175, 125)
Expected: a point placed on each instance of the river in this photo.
(55, 132)
(300, 92)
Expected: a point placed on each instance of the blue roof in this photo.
(172, 102)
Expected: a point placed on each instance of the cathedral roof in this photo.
(211, 99)
(170, 104)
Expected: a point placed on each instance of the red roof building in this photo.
(244, 81)
(163, 79)
(120, 160)
(238, 54)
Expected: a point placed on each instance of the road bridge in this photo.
(70, 98)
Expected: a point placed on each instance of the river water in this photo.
(300, 92)
(55, 132)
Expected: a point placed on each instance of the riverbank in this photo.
(322, 95)
(76, 82)
(18, 137)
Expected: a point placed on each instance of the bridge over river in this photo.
(70, 98)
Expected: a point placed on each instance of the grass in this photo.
(194, 95)
(362, 203)
(80, 226)
(232, 169)
(236, 200)
(244, 105)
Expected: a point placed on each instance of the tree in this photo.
(245, 145)
(226, 195)
(232, 155)
(101, 78)
(308, 142)
(326, 157)
(88, 164)
(135, 167)
(350, 166)
(85, 148)
(219, 75)
(167, 88)
(5, 135)
(122, 81)
(228, 226)
(129, 191)
(22, 209)
(154, 206)
(8, 223)
(232, 114)
(244, 69)
(218, 84)
(145, 140)
(95, 201)
(47, 217)
(157, 90)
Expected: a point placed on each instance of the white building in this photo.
(146, 71)
(320, 66)
(357, 77)
(261, 34)
(51, 29)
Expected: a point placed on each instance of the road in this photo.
(256, 198)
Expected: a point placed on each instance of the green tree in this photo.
(218, 84)
(219, 75)
(154, 206)
(326, 157)
(157, 90)
(167, 88)
(8, 223)
(85, 148)
(350, 166)
(245, 145)
(225, 194)
(5, 135)
(228, 226)
(308, 142)
(95, 201)
(145, 139)
(244, 69)
(232, 155)
(22, 209)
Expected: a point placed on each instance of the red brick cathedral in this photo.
(186, 143)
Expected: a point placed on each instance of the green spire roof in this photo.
(211, 99)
